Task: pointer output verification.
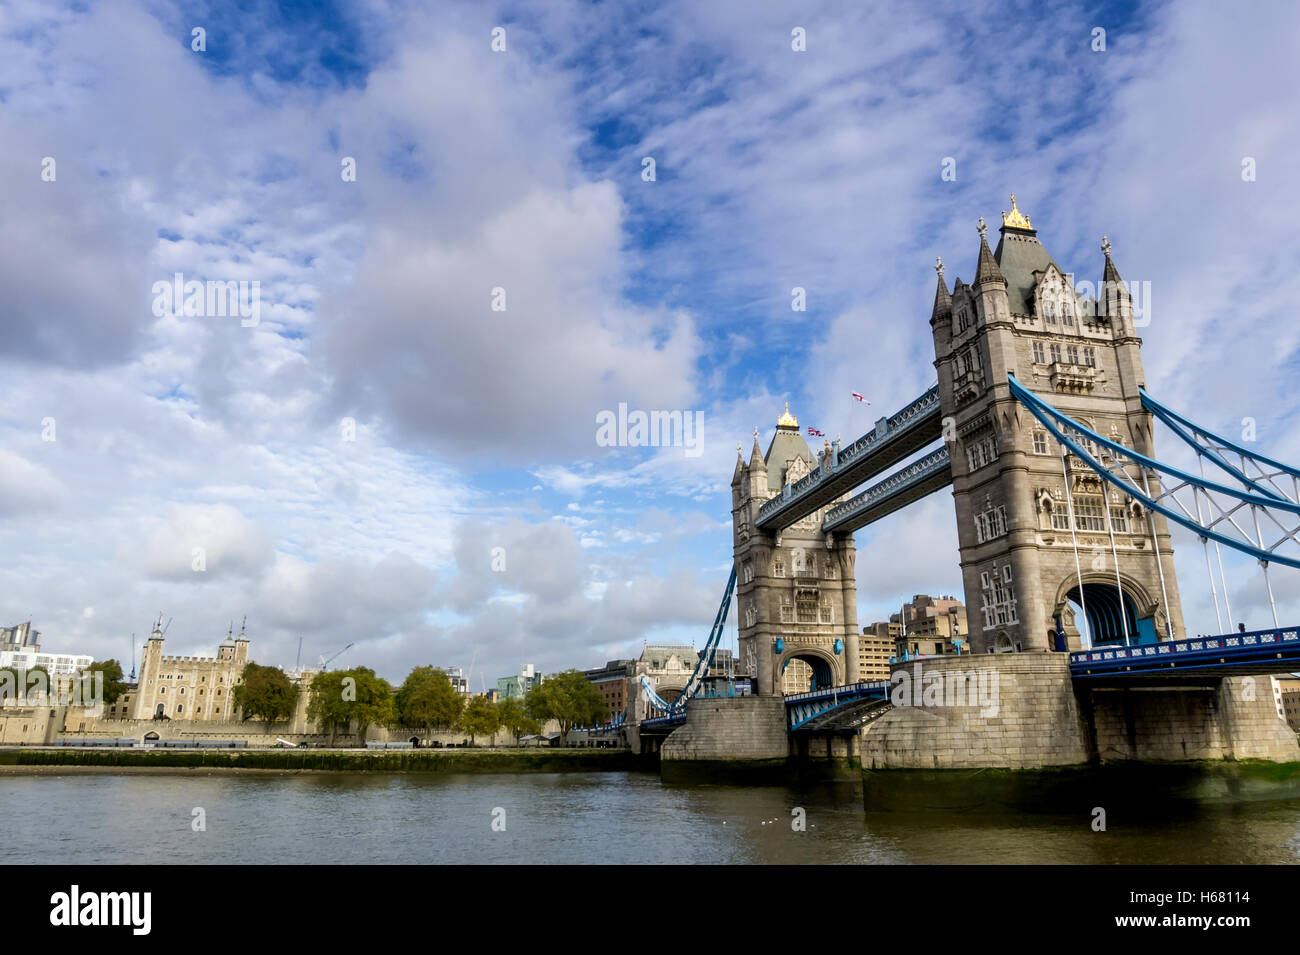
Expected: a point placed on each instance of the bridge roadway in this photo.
(1168, 663)
(893, 439)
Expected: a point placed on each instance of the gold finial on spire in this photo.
(787, 420)
(1015, 219)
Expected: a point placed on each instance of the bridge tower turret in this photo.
(795, 591)
(1020, 525)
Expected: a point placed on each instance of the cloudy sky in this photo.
(384, 459)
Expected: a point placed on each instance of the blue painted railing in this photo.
(1255, 647)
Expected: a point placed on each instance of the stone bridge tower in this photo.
(795, 592)
(1024, 316)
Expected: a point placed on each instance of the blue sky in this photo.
(522, 169)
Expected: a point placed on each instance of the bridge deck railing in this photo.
(894, 484)
(1249, 645)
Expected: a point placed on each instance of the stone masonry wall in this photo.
(1225, 719)
(1252, 724)
(29, 724)
(739, 728)
(1035, 721)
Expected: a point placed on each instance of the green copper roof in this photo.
(1019, 254)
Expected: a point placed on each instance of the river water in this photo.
(575, 818)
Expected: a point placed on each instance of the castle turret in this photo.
(241, 642)
(1117, 305)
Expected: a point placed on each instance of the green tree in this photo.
(114, 684)
(342, 697)
(514, 717)
(427, 700)
(570, 699)
(265, 692)
(480, 718)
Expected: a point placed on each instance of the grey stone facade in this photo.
(1022, 316)
(1037, 723)
(736, 728)
(796, 586)
(1043, 719)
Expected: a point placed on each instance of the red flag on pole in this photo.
(860, 397)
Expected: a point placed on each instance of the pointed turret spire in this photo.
(756, 456)
(1111, 274)
(987, 270)
(942, 300)
(1115, 298)
(740, 466)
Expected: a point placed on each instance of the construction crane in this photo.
(324, 663)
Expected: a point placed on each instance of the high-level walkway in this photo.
(892, 439)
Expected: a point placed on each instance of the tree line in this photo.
(426, 701)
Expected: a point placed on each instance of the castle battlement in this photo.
(188, 686)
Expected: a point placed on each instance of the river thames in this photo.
(335, 819)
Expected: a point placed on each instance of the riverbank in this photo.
(48, 761)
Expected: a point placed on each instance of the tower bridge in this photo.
(1041, 425)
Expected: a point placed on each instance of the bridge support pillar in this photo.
(1012, 710)
(743, 729)
(1221, 718)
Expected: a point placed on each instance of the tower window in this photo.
(1060, 518)
(1040, 354)
(1072, 354)
(1088, 514)
(997, 597)
(1090, 357)
(778, 568)
(1056, 352)
(1049, 313)
(1040, 442)
(981, 452)
(1119, 519)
